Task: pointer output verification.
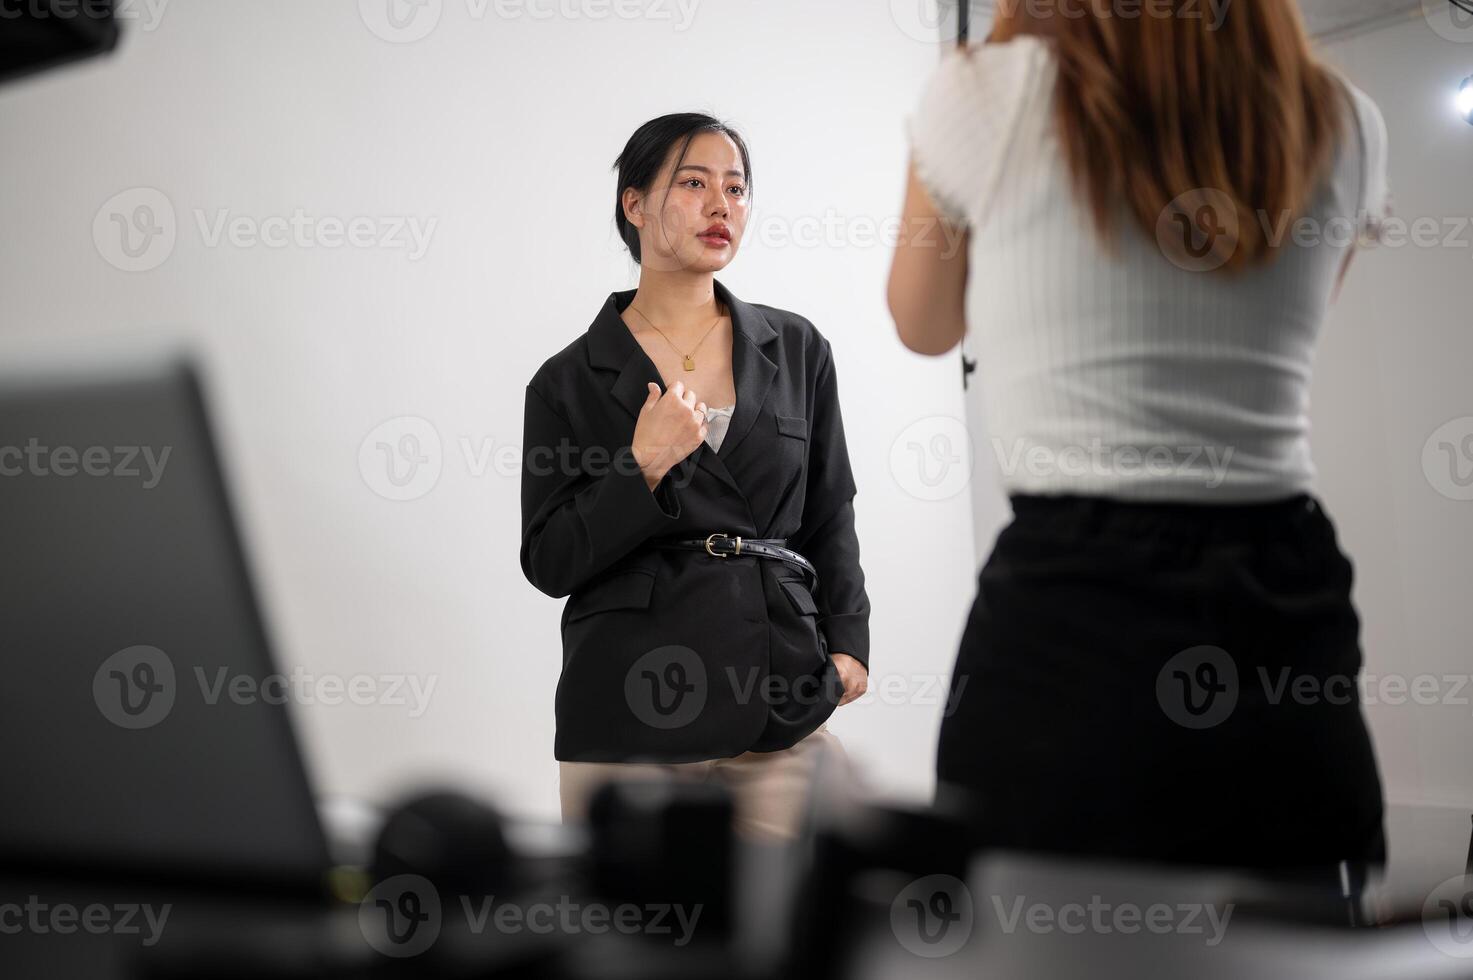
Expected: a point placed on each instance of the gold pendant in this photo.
(690, 365)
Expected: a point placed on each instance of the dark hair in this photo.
(646, 151)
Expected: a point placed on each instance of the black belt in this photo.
(721, 545)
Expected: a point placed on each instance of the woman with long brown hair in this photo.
(1161, 660)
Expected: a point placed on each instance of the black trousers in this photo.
(1173, 683)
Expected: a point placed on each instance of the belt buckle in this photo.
(722, 554)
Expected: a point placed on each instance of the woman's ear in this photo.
(633, 207)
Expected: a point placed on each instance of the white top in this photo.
(717, 420)
(1125, 376)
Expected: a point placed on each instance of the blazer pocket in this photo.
(627, 589)
(792, 425)
(800, 597)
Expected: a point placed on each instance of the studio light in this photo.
(1465, 99)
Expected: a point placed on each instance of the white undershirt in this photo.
(1124, 376)
(717, 420)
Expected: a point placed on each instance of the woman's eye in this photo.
(738, 190)
(693, 180)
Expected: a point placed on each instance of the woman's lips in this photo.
(714, 241)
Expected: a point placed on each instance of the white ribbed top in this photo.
(1125, 376)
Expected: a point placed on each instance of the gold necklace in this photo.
(689, 360)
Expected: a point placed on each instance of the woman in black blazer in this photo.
(719, 658)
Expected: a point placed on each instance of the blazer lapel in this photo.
(612, 347)
(752, 369)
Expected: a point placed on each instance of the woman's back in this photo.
(1130, 373)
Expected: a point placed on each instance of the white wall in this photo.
(502, 131)
(1394, 367)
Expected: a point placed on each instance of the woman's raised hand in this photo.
(670, 427)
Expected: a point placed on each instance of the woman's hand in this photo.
(669, 429)
(854, 676)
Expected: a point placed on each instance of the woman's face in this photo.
(708, 191)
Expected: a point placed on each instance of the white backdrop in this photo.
(1392, 397)
(493, 135)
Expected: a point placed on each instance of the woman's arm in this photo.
(960, 134)
(827, 536)
(581, 511)
(928, 275)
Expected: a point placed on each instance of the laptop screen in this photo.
(146, 724)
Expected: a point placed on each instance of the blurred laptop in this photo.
(143, 715)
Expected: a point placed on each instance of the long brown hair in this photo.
(1152, 107)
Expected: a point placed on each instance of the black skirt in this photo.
(1172, 683)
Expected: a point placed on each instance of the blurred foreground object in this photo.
(41, 34)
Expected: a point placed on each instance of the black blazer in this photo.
(677, 656)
